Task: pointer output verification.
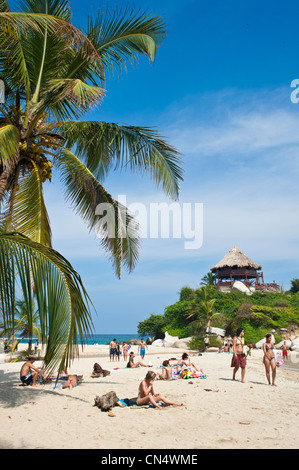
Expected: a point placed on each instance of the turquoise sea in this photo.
(104, 339)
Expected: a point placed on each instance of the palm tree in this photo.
(202, 309)
(27, 323)
(54, 74)
(208, 279)
(62, 302)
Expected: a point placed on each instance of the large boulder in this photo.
(215, 331)
(295, 344)
(239, 286)
(167, 342)
(133, 342)
(182, 343)
(106, 402)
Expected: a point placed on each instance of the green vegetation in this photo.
(55, 74)
(54, 298)
(198, 308)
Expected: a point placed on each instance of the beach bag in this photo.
(185, 374)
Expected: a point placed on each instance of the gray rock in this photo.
(106, 402)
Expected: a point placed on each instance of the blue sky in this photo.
(219, 91)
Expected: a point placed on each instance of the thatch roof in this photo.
(235, 257)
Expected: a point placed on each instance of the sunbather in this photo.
(185, 363)
(147, 395)
(166, 371)
(72, 381)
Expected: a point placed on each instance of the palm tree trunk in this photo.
(5, 178)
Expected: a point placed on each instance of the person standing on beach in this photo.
(141, 348)
(112, 349)
(269, 359)
(239, 358)
(125, 351)
(284, 348)
(207, 342)
(117, 350)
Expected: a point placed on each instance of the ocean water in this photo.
(104, 339)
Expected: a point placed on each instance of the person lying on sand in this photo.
(166, 371)
(29, 373)
(147, 395)
(71, 382)
(132, 364)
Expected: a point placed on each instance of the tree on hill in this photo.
(294, 286)
(54, 74)
(208, 279)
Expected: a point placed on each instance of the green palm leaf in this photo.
(9, 141)
(117, 229)
(124, 35)
(63, 304)
(26, 210)
(104, 146)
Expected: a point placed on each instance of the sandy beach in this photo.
(218, 413)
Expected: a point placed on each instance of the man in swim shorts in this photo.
(112, 347)
(141, 348)
(29, 373)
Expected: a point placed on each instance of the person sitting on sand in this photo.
(147, 395)
(269, 358)
(29, 373)
(186, 363)
(132, 364)
(166, 371)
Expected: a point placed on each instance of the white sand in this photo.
(46, 418)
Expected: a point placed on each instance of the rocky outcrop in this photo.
(106, 402)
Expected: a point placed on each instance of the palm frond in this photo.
(117, 229)
(64, 98)
(121, 36)
(62, 301)
(26, 211)
(16, 25)
(104, 146)
(9, 141)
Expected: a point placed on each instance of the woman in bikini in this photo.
(147, 395)
(185, 363)
(132, 364)
(269, 359)
(125, 351)
(239, 358)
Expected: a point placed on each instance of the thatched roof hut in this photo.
(236, 266)
(235, 258)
